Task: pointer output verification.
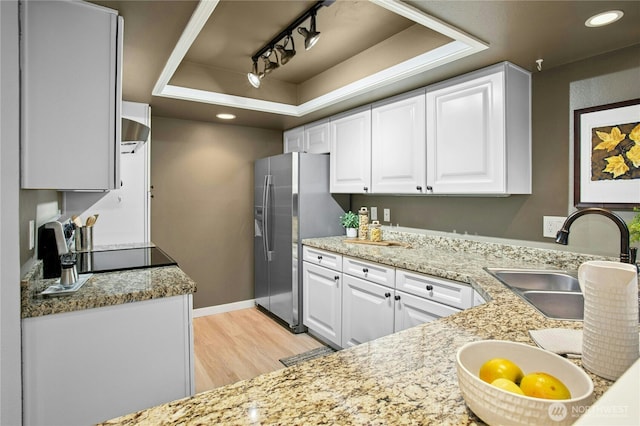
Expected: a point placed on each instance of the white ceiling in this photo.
(519, 31)
(382, 20)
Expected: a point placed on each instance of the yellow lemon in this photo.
(508, 385)
(497, 368)
(543, 385)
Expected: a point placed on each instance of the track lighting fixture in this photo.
(269, 65)
(286, 55)
(253, 76)
(311, 37)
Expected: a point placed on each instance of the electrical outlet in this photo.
(374, 213)
(551, 225)
(387, 215)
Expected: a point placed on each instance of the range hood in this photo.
(134, 134)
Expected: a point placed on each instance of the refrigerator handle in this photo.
(266, 203)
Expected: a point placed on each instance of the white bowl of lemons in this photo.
(509, 383)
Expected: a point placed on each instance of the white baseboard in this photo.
(218, 309)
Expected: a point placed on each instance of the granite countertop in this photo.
(404, 378)
(103, 289)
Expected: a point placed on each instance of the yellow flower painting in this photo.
(615, 152)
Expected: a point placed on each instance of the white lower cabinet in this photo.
(85, 367)
(367, 311)
(322, 302)
(350, 301)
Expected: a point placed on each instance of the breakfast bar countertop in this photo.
(403, 378)
(103, 289)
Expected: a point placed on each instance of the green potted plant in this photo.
(349, 221)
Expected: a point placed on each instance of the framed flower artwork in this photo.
(607, 155)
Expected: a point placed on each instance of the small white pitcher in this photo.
(610, 337)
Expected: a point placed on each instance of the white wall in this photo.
(10, 351)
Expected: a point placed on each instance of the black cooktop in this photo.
(118, 260)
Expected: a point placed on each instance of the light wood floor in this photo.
(240, 345)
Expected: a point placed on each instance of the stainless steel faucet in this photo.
(627, 253)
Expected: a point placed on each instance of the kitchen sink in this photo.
(557, 304)
(555, 294)
(527, 279)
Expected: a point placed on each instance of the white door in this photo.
(465, 136)
(411, 311)
(398, 159)
(316, 138)
(367, 311)
(350, 138)
(322, 302)
(294, 140)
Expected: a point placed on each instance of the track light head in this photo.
(311, 36)
(286, 54)
(269, 65)
(253, 76)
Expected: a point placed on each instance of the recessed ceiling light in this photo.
(604, 18)
(225, 116)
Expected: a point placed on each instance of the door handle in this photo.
(266, 203)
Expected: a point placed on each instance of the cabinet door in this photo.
(466, 136)
(71, 96)
(350, 139)
(322, 302)
(316, 138)
(367, 311)
(86, 366)
(294, 140)
(411, 311)
(398, 159)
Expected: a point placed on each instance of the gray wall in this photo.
(520, 216)
(202, 205)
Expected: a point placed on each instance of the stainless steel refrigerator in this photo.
(291, 202)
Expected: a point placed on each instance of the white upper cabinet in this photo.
(316, 137)
(479, 133)
(398, 145)
(350, 163)
(70, 96)
(294, 140)
(312, 138)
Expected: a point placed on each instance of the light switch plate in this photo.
(374, 213)
(387, 215)
(551, 225)
(32, 234)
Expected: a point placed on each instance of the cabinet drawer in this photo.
(369, 271)
(452, 293)
(323, 258)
